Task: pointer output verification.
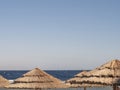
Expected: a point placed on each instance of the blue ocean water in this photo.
(60, 74)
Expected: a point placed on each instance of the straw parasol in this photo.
(107, 74)
(82, 74)
(37, 79)
(3, 81)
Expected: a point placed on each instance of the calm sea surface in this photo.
(60, 74)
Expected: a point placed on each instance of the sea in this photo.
(60, 74)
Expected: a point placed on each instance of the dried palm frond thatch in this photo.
(106, 75)
(3, 81)
(37, 78)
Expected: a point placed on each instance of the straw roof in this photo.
(3, 81)
(82, 74)
(94, 80)
(86, 85)
(114, 64)
(106, 74)
(37, 78)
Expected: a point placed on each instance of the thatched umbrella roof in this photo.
(3, 81)
(82, 74)
(106, 74)
(37, 78)
(114, 64)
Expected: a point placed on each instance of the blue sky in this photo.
(58, 34)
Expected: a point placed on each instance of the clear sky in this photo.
(58, 34)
